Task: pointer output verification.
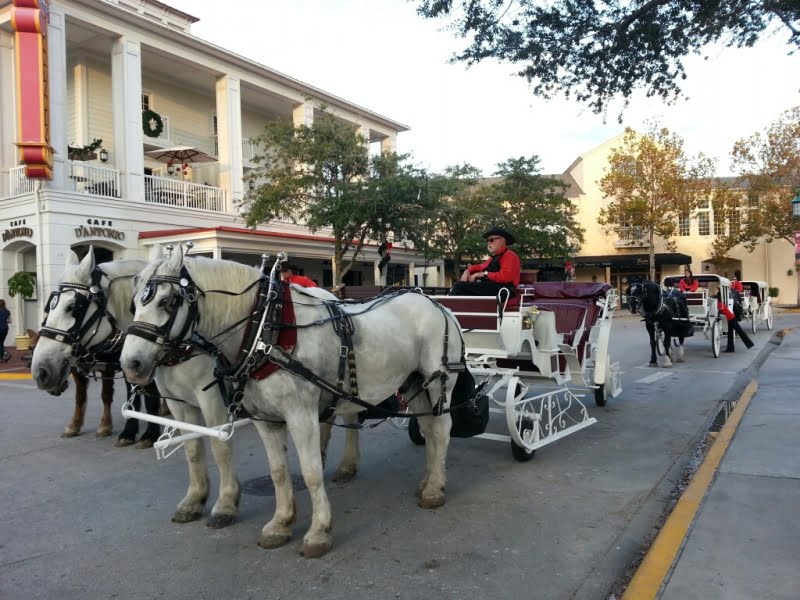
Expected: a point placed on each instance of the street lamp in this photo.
(796, 205)
(103, 155)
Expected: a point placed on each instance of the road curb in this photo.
(12, 376)
(660, 558)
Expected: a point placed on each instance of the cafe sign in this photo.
(17, 232)
(90, 230)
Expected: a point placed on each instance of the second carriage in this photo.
(703, 309)
(756, 305)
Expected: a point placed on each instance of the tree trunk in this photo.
(652, 257)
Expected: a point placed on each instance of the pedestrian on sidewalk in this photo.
(5, 321)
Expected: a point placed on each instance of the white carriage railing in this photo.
(19, 184)
(92, 179)
(172, 192)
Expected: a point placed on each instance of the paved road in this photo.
(83, 519)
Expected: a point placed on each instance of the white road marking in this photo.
(684, 370)
(654, 377)
(20, 386)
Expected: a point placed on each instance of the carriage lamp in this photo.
(251, 184)
(103, 155)
(796, 205)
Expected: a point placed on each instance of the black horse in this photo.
(660, 309)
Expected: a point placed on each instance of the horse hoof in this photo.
(144, 444)
(69, 433)
(186, 516)
(434, 501)
(652, 364)
(122, 442)
(102, 433)
(316, 549)
(344, 475)
(681, 359)
(273, 540)
(667, 365)
(220, 521)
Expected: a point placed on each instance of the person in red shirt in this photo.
(688, 283)
(736, 285)
(733, 326)
(290, 275)
(501, 270)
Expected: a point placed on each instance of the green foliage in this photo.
(87, 152)
(322, 175)
(594, 51)
(152, 123)
(22, 283)
(651, 182)
(773, 292)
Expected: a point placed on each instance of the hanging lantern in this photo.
(170, 168)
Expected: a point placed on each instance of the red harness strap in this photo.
(287, 336)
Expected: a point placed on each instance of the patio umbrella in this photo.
(180, 155)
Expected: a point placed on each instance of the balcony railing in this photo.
(249, 151)
(631, 237)
(171, 192)
(19, 184)
(91, 179)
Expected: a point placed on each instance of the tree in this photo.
(536, 209)
(652, 183)
(323, 176)
(594, 51)
(768, 165)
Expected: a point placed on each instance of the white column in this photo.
(126, 92)
(303, 114)
(57, 58)
(365, 133)
(229, 139)
(9, 157)
(379, 278)
(389, 144)
(411, 273)
(80, 87)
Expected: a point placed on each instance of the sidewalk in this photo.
(14, 368)
(744, 542)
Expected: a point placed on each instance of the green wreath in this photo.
(152, 123)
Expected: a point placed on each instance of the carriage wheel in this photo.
(660, 341)
(768, 310)
(415, 433)
(521, 453)
(716, 338)
(600, 395)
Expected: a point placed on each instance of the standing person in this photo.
(501, 270)
(736, 284)
(733, 326)
(289, 273)
(688, 283)
(5, 321)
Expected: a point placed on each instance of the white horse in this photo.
(52, 360)
(396, 341)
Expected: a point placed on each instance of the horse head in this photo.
(635, 293)
(165, 311)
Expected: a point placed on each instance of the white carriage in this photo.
(756, 305)
(551, 332)
(703, 311)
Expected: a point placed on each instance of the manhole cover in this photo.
(262, 486)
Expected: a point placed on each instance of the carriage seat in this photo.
(574, 304)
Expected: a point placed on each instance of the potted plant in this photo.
(23, 284)
(773, 292)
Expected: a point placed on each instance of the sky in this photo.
(380, 55)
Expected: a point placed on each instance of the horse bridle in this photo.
(183, 289)
(640, 301)
(73, 336)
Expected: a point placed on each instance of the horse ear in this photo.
(175, 261)
(72, 260)
(87, 264)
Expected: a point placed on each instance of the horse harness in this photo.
(106, 352)
(269, 341)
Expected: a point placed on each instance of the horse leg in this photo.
(681, 353)
(651, 331)
(73, 428)
(325, 428)
(226, 509)
(437, 439)
(107, 395)
(349, 466)
(190, 508)
(304, 428)
(152, 403)
(667, 350)
(128, 435)
(279, 530)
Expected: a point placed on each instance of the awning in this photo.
(610, 260)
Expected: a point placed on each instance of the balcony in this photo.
(632, 237)
(89, 179)
(171, 192)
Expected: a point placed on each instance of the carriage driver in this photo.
(501, 270)
(289, 273)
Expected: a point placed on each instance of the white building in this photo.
(109, 61)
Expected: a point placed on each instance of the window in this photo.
(684, 225)
(719, 223)
(145, 102)
(703, 224)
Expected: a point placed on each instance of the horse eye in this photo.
(70, 307)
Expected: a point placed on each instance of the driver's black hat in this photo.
(502, 233)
